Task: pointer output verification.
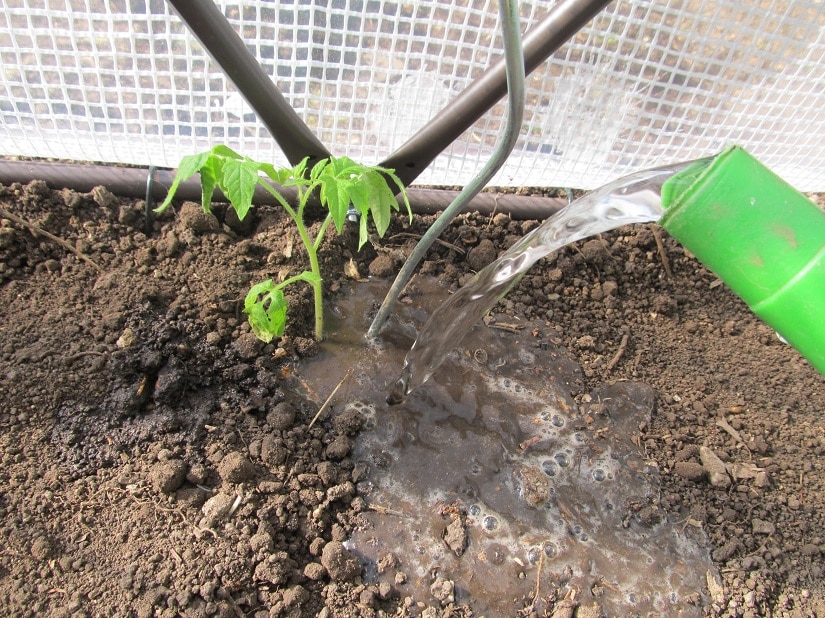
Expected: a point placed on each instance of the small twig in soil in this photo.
(529, 442)
(384, 510)
(657, 235)
(38, 231)
(723, 423)
(512, 328)
(620, 351)
(331, 395)
(493, 213)
(538, 578)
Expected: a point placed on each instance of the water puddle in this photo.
(491, 485)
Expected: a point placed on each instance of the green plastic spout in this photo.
(762, 237)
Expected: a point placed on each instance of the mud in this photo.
(156, 460)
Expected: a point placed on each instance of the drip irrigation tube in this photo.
(135, 182)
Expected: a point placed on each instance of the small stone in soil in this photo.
(168, 475)
(715, 468)
(339, 562)
(236, 468)
(690, 470)
(281, 417)
(215, 509)
(455, 536)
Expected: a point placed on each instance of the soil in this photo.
(154, 460)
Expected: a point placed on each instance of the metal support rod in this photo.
(217, 36)
(562, 22)
(514, 59)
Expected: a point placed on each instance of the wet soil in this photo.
(157, 460)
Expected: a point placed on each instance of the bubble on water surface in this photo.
(509, 450)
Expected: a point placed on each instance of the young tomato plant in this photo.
(339, 182)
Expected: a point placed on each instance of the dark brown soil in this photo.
(154, 461)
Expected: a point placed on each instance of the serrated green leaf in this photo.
(402, 190)
(318, 169)
(363, 234)
(299, 171)
(335, 195)
(226, 152)
(266, 307)
(264, 287)
(279, 175)
(359, 196)
(189, 166)
(381, 201)
(238, 183)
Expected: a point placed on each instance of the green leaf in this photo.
(299, 171)
(239, 180)
(308, 276)
(363, 234)
(266, 307)
(335, 195)
(226, 152)
(279, 175)
(189, 166)
(318, 168)
(210, 177)
(390, 173)
(381, 200)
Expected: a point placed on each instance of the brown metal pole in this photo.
(217, 36)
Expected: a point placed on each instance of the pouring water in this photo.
(632, 199)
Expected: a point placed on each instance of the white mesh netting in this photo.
(644, 84)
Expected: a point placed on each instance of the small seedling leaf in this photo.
(279, 175)
(210, 177)
(189, 166)
(239, 180)
(335, 194)
(381, 200)
(266, 307)
(226, 152)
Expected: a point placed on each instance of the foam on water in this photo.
(547, 492)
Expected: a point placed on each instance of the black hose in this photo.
(139, 182)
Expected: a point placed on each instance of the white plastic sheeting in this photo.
(645, 83)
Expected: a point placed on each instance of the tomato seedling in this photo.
(339, 182)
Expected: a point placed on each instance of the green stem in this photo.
(311, 249)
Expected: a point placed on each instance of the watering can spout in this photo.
(761, 236)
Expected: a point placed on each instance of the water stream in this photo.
(632, 199)
(502, 484)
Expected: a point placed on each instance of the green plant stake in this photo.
(339, 182)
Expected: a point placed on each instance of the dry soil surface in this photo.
(155, 462)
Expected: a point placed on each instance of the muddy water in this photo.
(495, 478)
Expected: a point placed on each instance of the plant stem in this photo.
(317, 288)
(311, 249)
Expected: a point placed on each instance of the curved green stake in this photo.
(514, 59)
